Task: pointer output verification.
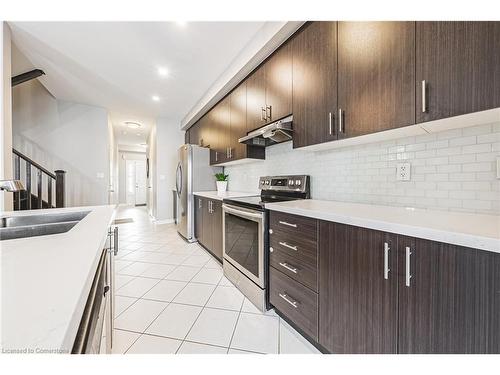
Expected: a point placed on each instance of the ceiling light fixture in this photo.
(162, 71)
(181, 23)
(155, 98)
(132, 125)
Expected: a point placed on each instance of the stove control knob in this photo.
(298, 182)
(267, 182)
(271, 249)
(290, 182)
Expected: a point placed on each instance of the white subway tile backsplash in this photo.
(452, 170)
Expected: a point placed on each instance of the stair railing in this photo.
(56, 179)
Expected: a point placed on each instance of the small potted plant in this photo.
(221, 180)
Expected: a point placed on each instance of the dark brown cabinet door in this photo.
(460, 64)
(238, 121)
(376, 76)
(207, 224)
(198, 218)
(256, 99)
(216, 219)
(314, 51)
(449, 298)
(357, 303)
(278, 71)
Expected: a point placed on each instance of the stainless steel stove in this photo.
(245, 234)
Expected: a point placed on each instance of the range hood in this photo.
(276, 132)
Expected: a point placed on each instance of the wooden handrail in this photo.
(34, 163)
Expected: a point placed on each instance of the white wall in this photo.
(6, 203)
(123, 156)
(168, 140)
(113, 164)
(64, 135)
(452, 170)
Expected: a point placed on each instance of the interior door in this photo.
(130, 181)
(314, 89)
(457, 68)
(357, 290)
(376, 77)
(140, 182)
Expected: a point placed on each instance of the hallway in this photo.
(171, 297)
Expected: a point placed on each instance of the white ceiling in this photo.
(115, 64)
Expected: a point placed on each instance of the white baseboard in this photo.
(166, 221)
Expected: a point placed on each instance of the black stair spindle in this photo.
(39, 189)
(28, 185)
(49, 191)
(17, 176)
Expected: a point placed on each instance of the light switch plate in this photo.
(403, 172)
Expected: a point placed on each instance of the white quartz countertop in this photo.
(463, 229)
(227, 194)
(46, 281)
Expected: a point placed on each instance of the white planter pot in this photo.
(221, 187)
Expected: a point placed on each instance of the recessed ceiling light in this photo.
(181, 23)
(132, 125)
(162, 71)
(155, 98)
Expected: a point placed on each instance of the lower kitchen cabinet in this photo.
(384, 293)
(208, 224)
(357, 290)
(449, 298)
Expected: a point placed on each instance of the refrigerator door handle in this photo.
(178, 180)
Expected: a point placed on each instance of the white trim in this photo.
(166, 221)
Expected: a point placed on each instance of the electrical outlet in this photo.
(403, 172)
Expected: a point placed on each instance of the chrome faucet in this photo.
(12, 186)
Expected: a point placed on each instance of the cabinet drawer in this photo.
(299, 227)
(301, 249)
(295, 268)
(295, 301)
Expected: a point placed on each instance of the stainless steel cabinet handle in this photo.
(341, 123)
(263, 114)
(115, 239)
(271, 231)
(289, 246)
(386, 260)
(288, 224)
(216, 156)
(199, 203)
(291, 269)
(271, 249)
(408, 270)
(285, 297)
(330, 124)
(268, 116)
(424, 96)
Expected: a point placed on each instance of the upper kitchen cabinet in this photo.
(256, 99)
(457, 68)
(218, 130)
(238, 120)
(376, 77)
(278, 72)
(314, 51)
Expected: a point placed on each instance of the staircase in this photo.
(42, 186)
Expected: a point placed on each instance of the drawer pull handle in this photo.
(285, 297)
(288, 224)
(291, 269)
(386, 260)
(289, 246)
(408, 268)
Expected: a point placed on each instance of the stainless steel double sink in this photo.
(12, 227)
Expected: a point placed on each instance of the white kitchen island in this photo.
(46, 282)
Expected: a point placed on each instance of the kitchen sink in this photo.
(38, 225)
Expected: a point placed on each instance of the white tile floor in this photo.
(172, 297)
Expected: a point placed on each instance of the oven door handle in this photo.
(242, 213)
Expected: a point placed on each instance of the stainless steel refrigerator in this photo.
(194, 173)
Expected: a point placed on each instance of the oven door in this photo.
(243, 241)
